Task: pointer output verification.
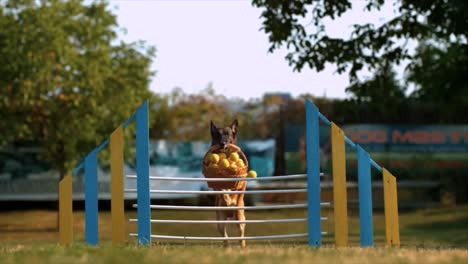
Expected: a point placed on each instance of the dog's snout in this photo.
(225, 140)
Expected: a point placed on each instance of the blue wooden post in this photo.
(142, 170)
(313, 174)
(91, 198)
(365, 198)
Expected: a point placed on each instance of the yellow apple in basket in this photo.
(208, 157)
(240, 163)
(234, 157)
(252, 174)
(224, 163)
(214, 158)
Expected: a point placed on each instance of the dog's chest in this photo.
(221, 202)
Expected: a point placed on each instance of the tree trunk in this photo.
(62, 172)
(280, 164)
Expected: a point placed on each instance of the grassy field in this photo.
(427, 236)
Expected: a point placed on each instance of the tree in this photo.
(66, 82)
(377, 99)
(382, 85)
(369, 46)
(185, 117)
(439, 74)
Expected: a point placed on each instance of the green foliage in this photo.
(184, 117)
(66, 83)
(383, 85)
(377, 99)
(439, 72)
(437, 69)
(426, 235)
(368, 45)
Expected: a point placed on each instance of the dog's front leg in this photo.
(240, 215)
(241, 226)
(221, 215)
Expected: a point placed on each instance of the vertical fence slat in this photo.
(365, 198)
(313, 174)
(65, 210)
(392, 232)
(117, 187)
(91, 198)
(395, 221)
(142, 161)
(339, 186)
(387, 209)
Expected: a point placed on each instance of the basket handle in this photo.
(237, 149)
(246, 162)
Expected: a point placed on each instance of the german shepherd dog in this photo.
(223, 137)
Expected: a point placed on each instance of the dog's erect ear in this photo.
(213, 128)
(234, 126)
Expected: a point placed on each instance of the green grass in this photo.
(427, 236)
(215, 254)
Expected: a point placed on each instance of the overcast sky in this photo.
(199, 42)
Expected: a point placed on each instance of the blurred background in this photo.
(391, 74)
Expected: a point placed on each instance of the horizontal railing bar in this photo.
(349, 141)
(227, 208)
(78, 168)
(284, 177)
(223, 192)
(256, 221)
(324, 119)
(259, 207)
(98, 148)
(130, 119)
(226, 238)
(104, 143)
(376, 165)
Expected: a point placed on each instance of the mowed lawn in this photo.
(427, 236)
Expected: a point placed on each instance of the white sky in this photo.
(199, 42)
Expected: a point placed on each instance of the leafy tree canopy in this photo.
(66, 81)
(369, 46)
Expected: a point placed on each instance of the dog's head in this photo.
(223, 136)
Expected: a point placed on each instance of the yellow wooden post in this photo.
(387, 205)
(65, 210)
(117, 187)
(339, 186)
(396, 224)
(392, 229)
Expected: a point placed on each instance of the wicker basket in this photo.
(211, 172)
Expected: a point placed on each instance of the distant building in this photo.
(277, 98)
